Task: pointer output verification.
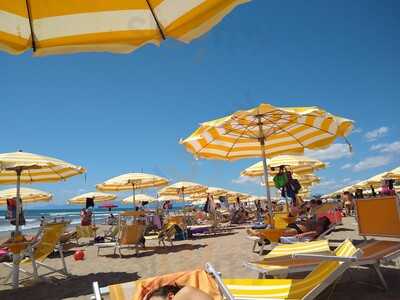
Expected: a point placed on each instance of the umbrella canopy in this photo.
(266, 131)
(213, 191)
(27, 195)
(34, 168)
(117, 26)
(296, 163)
(140, 198)
(173, 198)
(128, 181)
(132, 181)
(96, 196)
(393, 174)
(182, 188)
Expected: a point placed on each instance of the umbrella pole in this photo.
(265, 165)
(18, 206)
(16, 258)
(133, 196)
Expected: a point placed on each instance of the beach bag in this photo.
(295, 185)
(280, 180)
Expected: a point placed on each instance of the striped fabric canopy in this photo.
(213, 191)
(296, 163)
(182, 188)
(285, 131)
(139, 198)
(131, 181)
(96, 196)
(27, 195)
(120, 26)
(35, 168)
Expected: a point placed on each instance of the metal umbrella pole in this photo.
(265, 165)
(16, 256)
(18, 203)
(133, 195)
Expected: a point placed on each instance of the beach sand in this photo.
(226, 252)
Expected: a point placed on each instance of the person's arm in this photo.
(190, 293)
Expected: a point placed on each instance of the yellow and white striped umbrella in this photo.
(139, 198)
(173, 198)
(233, 196)
(266, 131)
(182, 188)
(296, 163)
(213, 191)
(35, 168)
(27, 195)
(118, 26)
(97, 197)
(393, 174)
(132, 181)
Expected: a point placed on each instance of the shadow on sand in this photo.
(53, 288)
(148, 251)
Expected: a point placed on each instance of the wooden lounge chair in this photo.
(48, 240)
(129, 237)
(379, 217)
(259, 289)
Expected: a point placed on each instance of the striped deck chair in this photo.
(38, 251)
(279, 262)
(129, 237)
(375, 216)
(308, 288)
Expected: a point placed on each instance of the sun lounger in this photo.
(87, 231)
(385, 223)
(130, 237)
(234, 289)
(38, 251)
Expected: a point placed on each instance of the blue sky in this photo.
(118, 113)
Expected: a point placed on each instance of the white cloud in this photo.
(335, 151)
(371, 162)
(346, 166)
(346, 180)
(326, 183)
(387, 148)
(375, 134)
(246, 179)
(357, 130)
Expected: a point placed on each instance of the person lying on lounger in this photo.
(175, 292)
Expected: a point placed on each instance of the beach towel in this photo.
(198, 279)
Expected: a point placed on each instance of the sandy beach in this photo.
(226, 252)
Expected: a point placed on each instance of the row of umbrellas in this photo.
(372, 182)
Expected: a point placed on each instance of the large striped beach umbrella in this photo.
(27, 195)
(97, 197)
(266, 131)
(23, 167)
(119, 26)
(298, 164)
(139, 198)
(182, 188)
(133, 182)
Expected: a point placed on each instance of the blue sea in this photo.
(32, 216)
